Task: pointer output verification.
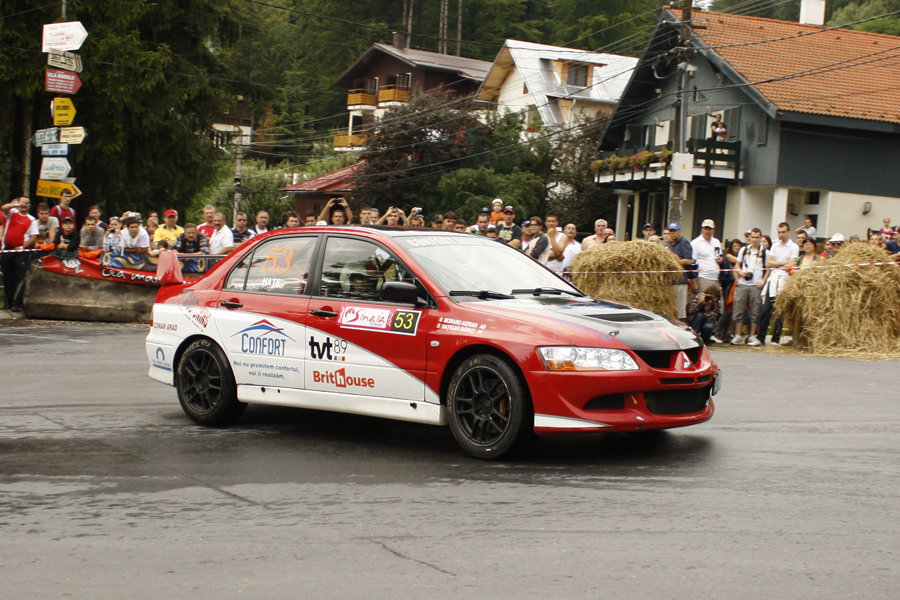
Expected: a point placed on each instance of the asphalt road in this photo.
(108, 491)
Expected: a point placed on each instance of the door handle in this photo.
(324, 313)
(231, 304)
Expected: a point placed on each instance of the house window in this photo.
(400, 81)
(763, 129)
(577, 75)
(813, 197)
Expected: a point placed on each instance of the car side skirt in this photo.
(371, 406)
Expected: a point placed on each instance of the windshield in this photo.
(469, 262)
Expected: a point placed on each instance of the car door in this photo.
(357, 343)
(261, 309)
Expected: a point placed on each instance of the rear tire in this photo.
(491, 416)
(206, 387)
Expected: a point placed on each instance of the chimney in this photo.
(399, 39)
(812, 12)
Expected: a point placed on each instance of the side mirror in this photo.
(401, 292)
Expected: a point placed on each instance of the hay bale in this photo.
(650, 291)
(835, 309)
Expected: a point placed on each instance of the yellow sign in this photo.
(53, 189)
(63, 111)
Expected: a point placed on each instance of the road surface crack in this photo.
(399, 554)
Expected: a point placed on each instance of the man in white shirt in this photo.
(808, 228)
(782, 255)
(749, 273)
(707, 255)
(222, 240)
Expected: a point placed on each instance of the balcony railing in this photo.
(712, 160)
(345, 141)
(362, 97)
(392, 93)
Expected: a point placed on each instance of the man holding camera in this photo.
(707, 255)
(336, 212)
(393, 217)
(749, 273)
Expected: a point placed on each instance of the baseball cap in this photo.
(509, 209)
(673, 226)
(497, 201)
(647, 226)
(526, 223)
(837, 238)
(170, 213)
(437, 219)
(708, 223)
(69, 219)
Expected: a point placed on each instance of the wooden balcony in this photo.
(346, 143)
(391, 94)
(648, 168)
(362, 98)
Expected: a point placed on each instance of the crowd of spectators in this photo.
(727, 293)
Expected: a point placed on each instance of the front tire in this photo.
(206, 387)
(490, 411)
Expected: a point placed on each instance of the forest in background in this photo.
(158, 73)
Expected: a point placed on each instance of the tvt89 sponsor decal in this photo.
(327, 348)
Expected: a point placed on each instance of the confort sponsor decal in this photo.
(263, 338)
(388, 320)
(159, 360)
(339, 378)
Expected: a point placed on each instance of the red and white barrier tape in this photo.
(683, 271)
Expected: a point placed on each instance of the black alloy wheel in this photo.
(206, 387)
(490, 411)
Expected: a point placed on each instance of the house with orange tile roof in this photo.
(811, 119)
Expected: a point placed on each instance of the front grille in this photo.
(677, 402)
(676, 380)
(662, 359)
(608, 402)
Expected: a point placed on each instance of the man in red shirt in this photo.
(63, 209)
(19, 233)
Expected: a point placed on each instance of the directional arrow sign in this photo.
(64, 60)
(61, 82)
(63, 36)
(54, 168)
(46, 136)
(72, 135)
(54, 189)
(63, 111)
(55, 150)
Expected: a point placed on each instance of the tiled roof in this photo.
(467, 68)
(809, 68)
(335, 181)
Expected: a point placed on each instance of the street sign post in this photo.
(72, 135)
(61, 82)
(63, 111)
(64, 60)
(54, 150)
(54, 189)
(63, 36)
(55, 169)
(46, 136)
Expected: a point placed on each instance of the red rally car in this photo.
(426, 326)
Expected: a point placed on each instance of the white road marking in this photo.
(46, 337)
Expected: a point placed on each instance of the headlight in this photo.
(573, 358)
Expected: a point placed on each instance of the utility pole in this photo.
(238, 174)
(678, 189)
(459, 14)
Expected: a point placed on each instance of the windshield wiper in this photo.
(481, 294)
(546, 290)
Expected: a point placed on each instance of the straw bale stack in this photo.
(650, 291)
(836, 309)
